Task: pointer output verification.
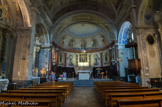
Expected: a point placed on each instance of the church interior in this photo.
(54, 47)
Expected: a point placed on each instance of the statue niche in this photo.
(71, 60)
(106, 58)
(94, 43)
(71, 43)
(95, 59)
(83, 44)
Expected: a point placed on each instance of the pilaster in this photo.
(149, 55)
(23, 60)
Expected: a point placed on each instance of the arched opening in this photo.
(125, 37)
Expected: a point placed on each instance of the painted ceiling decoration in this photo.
(86, 51)
(82, 30)
(98, 22)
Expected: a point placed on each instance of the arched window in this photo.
(125, 33)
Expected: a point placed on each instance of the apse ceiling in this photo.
(82, 30)
(83, 25)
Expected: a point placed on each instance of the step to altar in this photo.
(83, 83)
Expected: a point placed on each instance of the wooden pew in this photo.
(62, 92)
(102, 89)
(113, 97)
(51, 93)
(152, 102)
(103, 94)
(54, 97)
(19, 102)
(68, 89)
(48, 88)
(111, 92)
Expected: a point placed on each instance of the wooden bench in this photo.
(19, 102)
(113, 97)
(55, 97)
(112, 92)
(49, 94)
(130, 90)
(152, 102)
(62, 92)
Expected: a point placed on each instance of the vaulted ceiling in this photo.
(57, 8)
(82, 18)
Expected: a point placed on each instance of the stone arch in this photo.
(5, 13)
(141, 12)
(125, 28)
(42, 33)
(25, 13)
(124, 54)
(71, 43)
(107, 21)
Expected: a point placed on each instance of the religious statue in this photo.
(53, 55)
(63, 41)
(106, 57)
(71, 44)
(95, 59)
(82, 44)
(103, 40)
(70, 60)
(43, 73)
(94, 43)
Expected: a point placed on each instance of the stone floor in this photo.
(82, 97)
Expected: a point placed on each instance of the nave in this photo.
(81, 40)
(83, 97)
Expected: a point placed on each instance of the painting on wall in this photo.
(95, 59)
(71, 60)
(83, 58)
(83, 44)
(61, 59)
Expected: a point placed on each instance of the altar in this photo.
(84, 74)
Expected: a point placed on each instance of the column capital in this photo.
(23, 32)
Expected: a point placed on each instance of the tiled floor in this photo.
(82, 97)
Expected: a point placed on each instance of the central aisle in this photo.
(82, 97)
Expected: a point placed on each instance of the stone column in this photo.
(32, 39)
(65, 55)
(89, 60)
(160, 45)
(101, 57)
(57, 53)
(121, 61)
(50, 62)
(22, 70)
(149, 55)
(143, 57)
(21, 58)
